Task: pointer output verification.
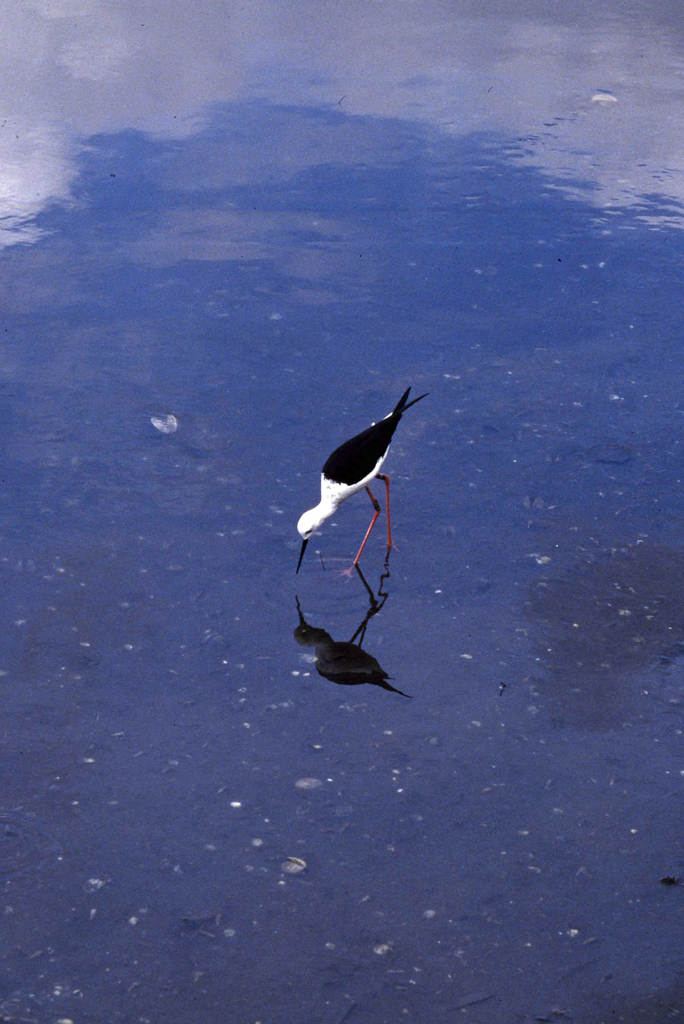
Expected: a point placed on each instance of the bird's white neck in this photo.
(331, 496)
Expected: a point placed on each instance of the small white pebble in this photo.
(165, 424)
(308, 783)
(293, 866)
(603, 96)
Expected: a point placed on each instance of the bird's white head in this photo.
(315, 517)
(311, 520)
(309, 523)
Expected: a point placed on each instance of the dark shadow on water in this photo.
(656, 1008)
(613, 615)
(25, 845)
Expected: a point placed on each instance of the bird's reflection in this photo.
(343, 661)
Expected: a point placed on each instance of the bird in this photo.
(349, 469)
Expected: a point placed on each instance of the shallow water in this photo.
(232, 238)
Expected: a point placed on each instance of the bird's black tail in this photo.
(402, 405)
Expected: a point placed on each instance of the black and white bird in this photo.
(349, 469)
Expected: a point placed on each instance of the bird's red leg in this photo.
(382, 476)
(376, 513)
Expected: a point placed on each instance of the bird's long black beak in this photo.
(301, 553)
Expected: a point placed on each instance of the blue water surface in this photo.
(217, 266)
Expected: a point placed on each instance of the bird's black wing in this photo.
(358, 456)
